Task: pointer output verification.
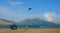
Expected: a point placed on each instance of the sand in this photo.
(31, 30)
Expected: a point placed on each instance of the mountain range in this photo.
(5, 22)
(35, 21)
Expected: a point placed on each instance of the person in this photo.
(26, 28)
(13, 26)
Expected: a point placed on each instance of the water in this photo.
(31, 26)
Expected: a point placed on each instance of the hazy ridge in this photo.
(35, 21)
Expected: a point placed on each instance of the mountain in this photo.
(5, 22)
(36, 21)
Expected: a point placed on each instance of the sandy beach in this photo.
(31, 30)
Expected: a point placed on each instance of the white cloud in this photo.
(52, 17)
(49, 16)
(15, 3)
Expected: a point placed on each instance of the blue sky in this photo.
(16, 10)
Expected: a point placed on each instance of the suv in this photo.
(13, 26)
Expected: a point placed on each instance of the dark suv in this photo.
(13, 26)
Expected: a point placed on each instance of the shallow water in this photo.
(31, 26)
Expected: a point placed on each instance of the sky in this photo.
(17, 10)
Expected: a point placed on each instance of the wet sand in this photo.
(31, 30)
